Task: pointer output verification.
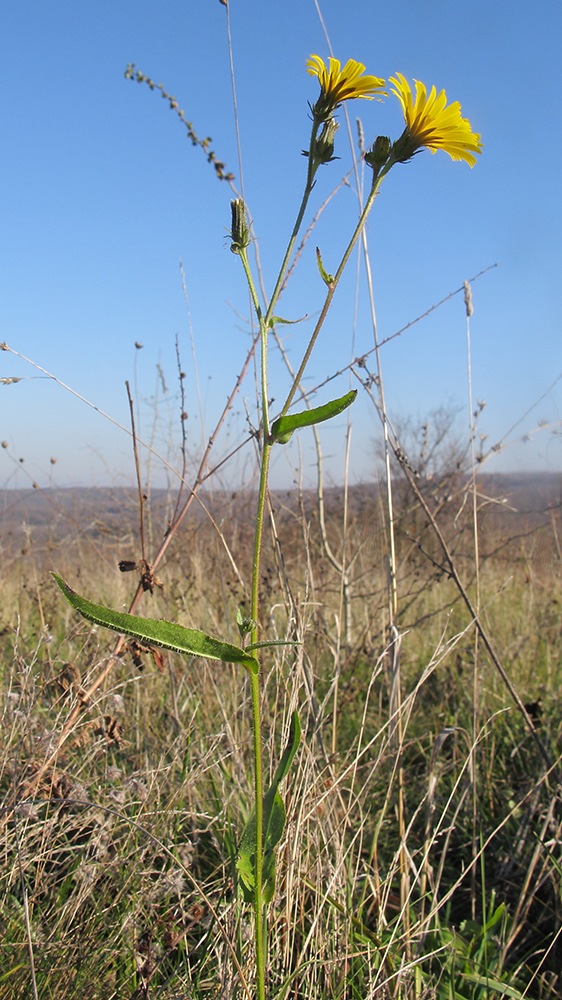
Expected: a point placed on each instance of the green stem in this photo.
(263, 358)
(259, 913)
(259, 909)
(332, 288)
(312, 168)
(260, 515)
(258, 869)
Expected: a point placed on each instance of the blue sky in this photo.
(102, 196)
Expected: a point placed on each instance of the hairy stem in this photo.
(333, 285)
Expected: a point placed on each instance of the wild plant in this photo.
(429, 123)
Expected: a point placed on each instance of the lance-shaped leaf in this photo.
(274, 819)
(289, 322)
(283, 427)
(327, 278)
(159, 632)
(271, 642)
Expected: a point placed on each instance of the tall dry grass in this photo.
(118, 875)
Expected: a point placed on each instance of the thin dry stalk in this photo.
(472, 611)
(141, 587)
(475, 669)
(526, 897)
(142, 497)
(25, 898)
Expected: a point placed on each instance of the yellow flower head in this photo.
(339, 85)
(431, 122)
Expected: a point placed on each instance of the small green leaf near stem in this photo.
(284, 426)
(274, 819)
(328, 279)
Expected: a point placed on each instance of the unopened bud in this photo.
(323, 150)
(240, 231)
(245, 623)
(379, 153)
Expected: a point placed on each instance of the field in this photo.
(421, 858)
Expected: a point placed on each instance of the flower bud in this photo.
(240, 231)
(379, 153)
(323, 150)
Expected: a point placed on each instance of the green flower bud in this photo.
(379, 153)
(240, 231)
(244, 622)
(323, 151)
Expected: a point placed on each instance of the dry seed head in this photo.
(360, 134)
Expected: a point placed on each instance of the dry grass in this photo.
(118, 845)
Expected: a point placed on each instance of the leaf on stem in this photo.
(272, 642)
(288, 322)
(274, 819)
(159, 632)
(283, 427)
(328, 279)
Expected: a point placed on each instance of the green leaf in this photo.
(244, 622)
(274, 819)
(488, 983)
(283, 427)
(272, 642)
(159, 632)
(10, 972)
(327, 278)
(288, 754)
(288, 322)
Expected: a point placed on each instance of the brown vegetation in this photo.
(117, 876)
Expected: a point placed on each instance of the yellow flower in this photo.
(430, 122)
(339, 85)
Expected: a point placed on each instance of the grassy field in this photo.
(422, 853)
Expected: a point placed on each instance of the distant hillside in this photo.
(50, 516)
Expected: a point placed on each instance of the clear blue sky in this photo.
(102, 195)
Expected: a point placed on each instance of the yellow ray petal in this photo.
(430, 122)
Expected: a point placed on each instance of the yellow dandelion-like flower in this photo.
(431, 122)
(339, 85)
